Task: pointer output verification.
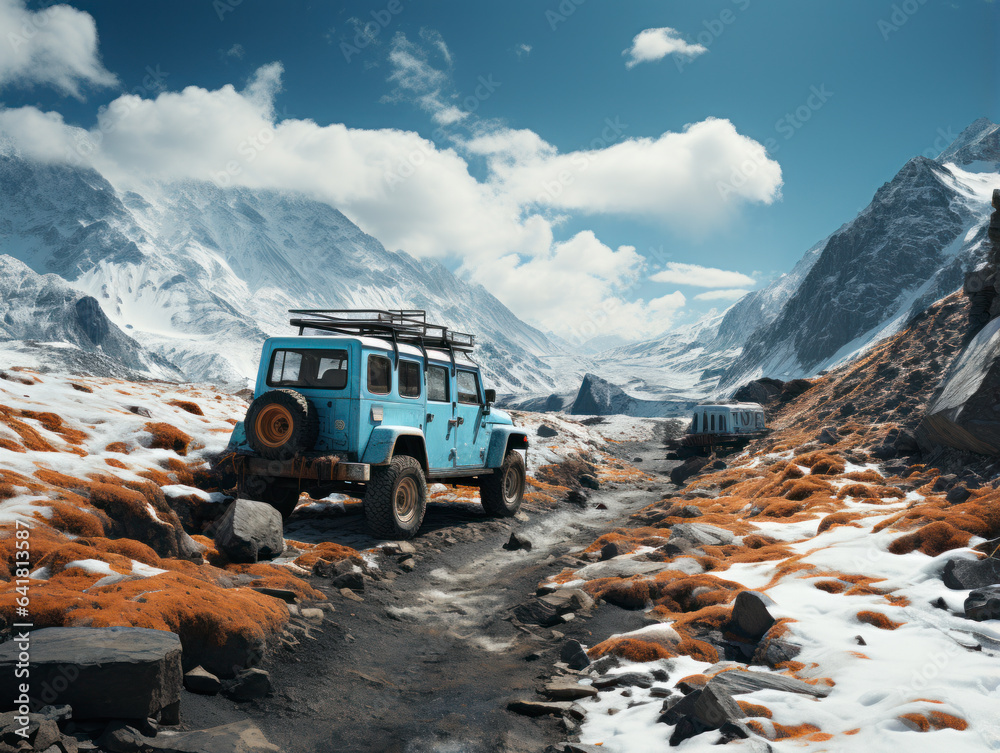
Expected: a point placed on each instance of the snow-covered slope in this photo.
(201, 275)
(911, 246)
(65, 324)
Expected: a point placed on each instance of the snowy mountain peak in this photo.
(980, 142)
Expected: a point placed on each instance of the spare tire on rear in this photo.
(281, 424)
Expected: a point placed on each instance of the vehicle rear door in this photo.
(472, 431)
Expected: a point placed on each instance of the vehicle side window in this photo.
(712, 419)
(437, 384)
(694, 424)
(409, 379)
(468, 387)
(379, 375)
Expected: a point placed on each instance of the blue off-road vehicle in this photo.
(375, 404)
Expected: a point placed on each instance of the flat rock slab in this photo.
(546, 708)
(737, 681)
(702, 534)
(238, 737)
(569, 690)
(110, 673)
(983, 604)
(618, 568)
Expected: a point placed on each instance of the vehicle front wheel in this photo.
(282, 494)
(396, 498)
(501, 493)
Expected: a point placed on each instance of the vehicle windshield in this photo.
(302, 367)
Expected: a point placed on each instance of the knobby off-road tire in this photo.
(501, 493)
(281, 493)
(281, 423)
(396, 498)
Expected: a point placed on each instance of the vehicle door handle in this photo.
(456, 421)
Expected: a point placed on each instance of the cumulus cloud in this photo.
(702, 277)
(412, 194)
(650, 45)
(733, 294)
(685, 179)
(54, 46)
(236, 51)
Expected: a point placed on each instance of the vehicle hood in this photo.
(500, 417)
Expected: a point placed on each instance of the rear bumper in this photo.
(707, 440)
(319, 468)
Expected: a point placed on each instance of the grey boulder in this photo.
(250, 531)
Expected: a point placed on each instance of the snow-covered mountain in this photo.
(62, 325)
(910, 247)
(201, 275)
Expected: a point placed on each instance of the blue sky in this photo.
(840, 92)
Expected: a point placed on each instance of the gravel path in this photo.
(429, 658)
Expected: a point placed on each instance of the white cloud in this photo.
(412, 194)
(733, 294)
(523, 50)
(674, 178)
(701, 277)
(54, 46)
(417, 80)
(650, 45)
(236, 51)
(573, 288)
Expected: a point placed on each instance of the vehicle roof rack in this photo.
(396, 325)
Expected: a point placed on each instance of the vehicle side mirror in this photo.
(491, 396)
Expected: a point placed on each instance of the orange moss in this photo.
(698, 650)
(754, 709)
(80, 387)
(830, 586)
(877, 619)
(326, 551)
(72, 519)
(115, 463)
(119, 447)
(837, 519)
(168, 437)
(54, 423)
(632, 649)
(802, 489)
(821, 463)
(187, 405)
(933, 539)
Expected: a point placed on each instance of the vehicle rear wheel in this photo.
(281, 423)
(281, 493)
(501, 493)
(396, 498)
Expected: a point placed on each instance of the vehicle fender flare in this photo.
(500, 438)
(238, 439)
(382, 444)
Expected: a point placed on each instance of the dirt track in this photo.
(428, 661)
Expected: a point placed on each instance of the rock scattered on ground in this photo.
(250, 531)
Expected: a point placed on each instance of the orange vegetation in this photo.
(934, 720)
(877, 619)
(187, 405)
(168, 437)
(632, 649)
